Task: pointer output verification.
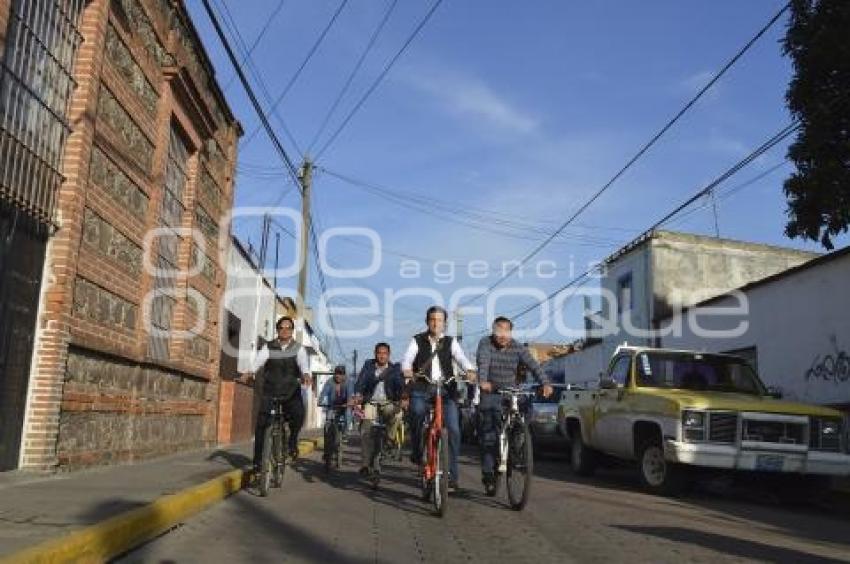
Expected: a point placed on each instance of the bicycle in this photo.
(515, 454)
(274, 454)
(434, 446)
(333, 431)
(380, 439)
(397, 438)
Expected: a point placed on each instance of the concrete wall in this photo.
(581, 367)
(800, 327)
(670, 270)
(687, 269)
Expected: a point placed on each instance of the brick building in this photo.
(117, 158)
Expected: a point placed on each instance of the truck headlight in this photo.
(693, 425)
(830, 429)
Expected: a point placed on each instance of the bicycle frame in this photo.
(435, 427)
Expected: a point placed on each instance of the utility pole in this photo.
(354, 374)
(459, 325)
(714, 207)
(276, 259)
(306, 178)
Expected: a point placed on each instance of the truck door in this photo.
(609, 409)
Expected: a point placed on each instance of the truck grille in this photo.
(777, 432)
(723, 427)
(823, 443)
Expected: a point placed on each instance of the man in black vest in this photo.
(285, 368)
(421, 357)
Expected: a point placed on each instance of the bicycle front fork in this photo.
(503, 450)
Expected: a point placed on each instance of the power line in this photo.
(354, 71)
(462, 216)
(256, 42)
(252, 97)
(763, 148)
(723, 196)
(379, 79)
(306, 60)
(640, 153)
(254, 70)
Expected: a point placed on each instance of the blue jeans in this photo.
(489, 427)
(419, 404)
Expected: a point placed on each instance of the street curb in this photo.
(122, 533)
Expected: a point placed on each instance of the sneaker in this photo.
(415, 460)
(364, 471)
(453, 486)
(293, 455)
(489, 481)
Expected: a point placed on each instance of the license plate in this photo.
(770, 462)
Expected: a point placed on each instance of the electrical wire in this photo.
(643, 150)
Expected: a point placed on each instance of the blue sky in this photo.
(523, 109)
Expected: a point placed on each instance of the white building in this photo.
(251, 309)
(797, 329)
(656, 274)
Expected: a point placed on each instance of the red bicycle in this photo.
(434, 468)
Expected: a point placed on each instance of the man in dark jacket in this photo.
(379, 380)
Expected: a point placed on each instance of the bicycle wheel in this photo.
(423, 462)
(441, 479)
(520, 465)
(337, 448)
(279, 462)
(330, 446)
(266, 468)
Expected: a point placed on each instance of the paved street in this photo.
(317, 518)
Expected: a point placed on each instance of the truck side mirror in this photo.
(607, 383)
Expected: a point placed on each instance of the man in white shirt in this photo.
(285, 368)
(432, 353)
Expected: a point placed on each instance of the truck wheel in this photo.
(582, 458)
(658, 475)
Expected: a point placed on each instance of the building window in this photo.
(624, 293)
(36, 84)
(168, 244)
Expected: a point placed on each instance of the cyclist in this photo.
(432, 353)
(379, 380)
(499, 357)
(285, 368)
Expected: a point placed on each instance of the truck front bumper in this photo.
(736, 458)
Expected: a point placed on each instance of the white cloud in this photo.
(471, 97)
(695, 82)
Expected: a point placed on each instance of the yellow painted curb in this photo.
(119, 534)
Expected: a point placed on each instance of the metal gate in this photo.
(22, 247)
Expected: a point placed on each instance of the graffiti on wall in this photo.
(831, 367)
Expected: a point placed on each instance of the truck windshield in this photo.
(702, 372)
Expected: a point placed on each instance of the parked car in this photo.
(672, 410)
(543, 418)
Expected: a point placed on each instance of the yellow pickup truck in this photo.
(669, 409)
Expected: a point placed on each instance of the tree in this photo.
(818, 96)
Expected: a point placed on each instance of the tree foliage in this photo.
(818, 96)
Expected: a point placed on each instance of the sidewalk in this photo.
(35, 508)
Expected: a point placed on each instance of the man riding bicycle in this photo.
(499, 357)
(379, 381)
(432, 353)
(285, 368)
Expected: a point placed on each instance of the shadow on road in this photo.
(234, 459)
(729, 545)
(293, 540)
(739, 499)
